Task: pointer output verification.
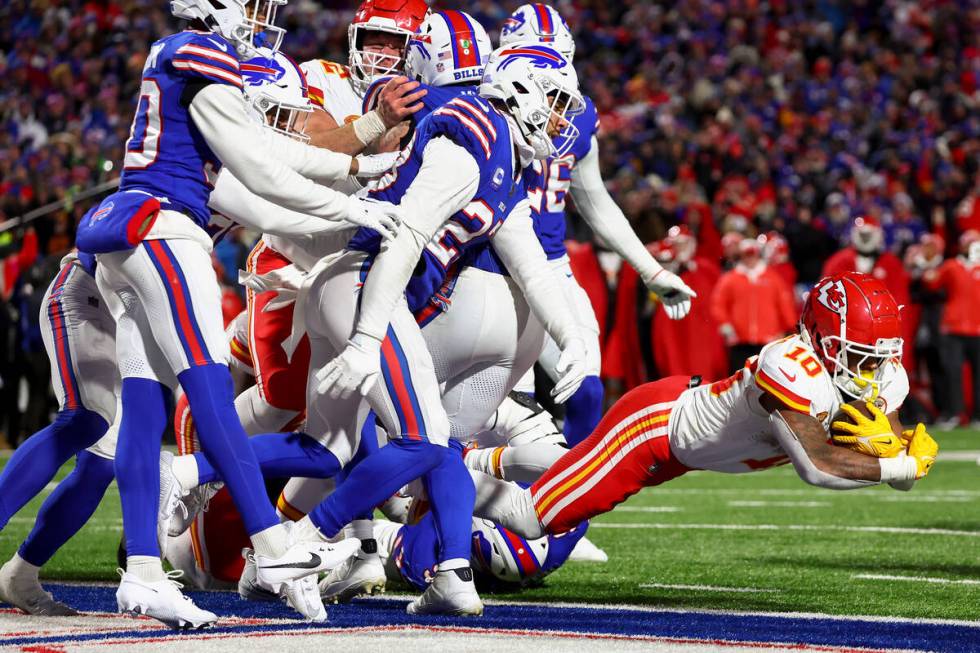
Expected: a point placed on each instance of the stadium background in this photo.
(724, 116)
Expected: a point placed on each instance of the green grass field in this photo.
(760, 542)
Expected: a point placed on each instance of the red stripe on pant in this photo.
(651, 463)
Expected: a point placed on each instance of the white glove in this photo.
(383, 217)
(375, 165)
(571, 370)
(285, 282)
(357, 368)
(674, 294)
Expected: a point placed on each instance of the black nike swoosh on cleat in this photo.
(312, 563)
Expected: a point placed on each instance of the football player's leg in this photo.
(301, 495)
(584, 409)
(185, 323)
(78, 338)
(279, 394)
(629, 450)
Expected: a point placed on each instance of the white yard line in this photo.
(648, 509)
(897, 530)
(959, 456)
(779, 504)
(918, 579)
(710, 588)
(815, 493)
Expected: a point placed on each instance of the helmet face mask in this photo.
(378, 38)
(276, 93)
(249, 24)
(852, 322)
(539, 89)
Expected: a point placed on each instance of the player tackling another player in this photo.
(470, 214)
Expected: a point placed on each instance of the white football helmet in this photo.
(505, 555)
(451, 48)
(536, 84)
(403, 18)
(276, 92)
(538, 23)
(249, 24)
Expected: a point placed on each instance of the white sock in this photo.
(306, 531)
(362, 529)
(454, 563)
(185, 471)
(272, 542)
(506, 504)
(148, 569)
(21, 568)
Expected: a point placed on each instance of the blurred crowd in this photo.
(752, 144)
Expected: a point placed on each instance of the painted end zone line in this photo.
(710, 588)
(918, 579)
(790, 527)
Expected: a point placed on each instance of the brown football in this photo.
(860, 405)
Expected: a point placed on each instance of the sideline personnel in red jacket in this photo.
(752, 305)
(959, 339)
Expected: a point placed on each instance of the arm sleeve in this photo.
(231, 198)
(606, 218)
(801, 460)
(520, 250)
(446, 182)
(257, 161)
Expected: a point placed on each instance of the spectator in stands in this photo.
(919, 260)
(752, 305)
(959, 342)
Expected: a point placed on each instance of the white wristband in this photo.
(902, 468)
(369, 127)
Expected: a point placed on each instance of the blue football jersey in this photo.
(166, 154)
(474, 125)
(435, 97)
(548, 182)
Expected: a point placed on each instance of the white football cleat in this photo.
(24, 591)
(303, 595)
(248, 585)
(170, 494)
(302, 559)
(452, 592)
(586, 551)
(163, 601)
(360, 574)
(191, 505)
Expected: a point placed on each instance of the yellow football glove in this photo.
(872, 437)
(921, 447)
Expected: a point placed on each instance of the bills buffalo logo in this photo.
(540, 57)
(103, 211)
(513, 24)
(832, 295)
(261, 70)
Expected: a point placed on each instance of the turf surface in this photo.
(760, 542)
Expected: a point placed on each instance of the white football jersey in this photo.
(723, 427)
(330, 88)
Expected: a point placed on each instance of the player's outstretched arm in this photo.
(218, 112)
(820, 463)
(607, 220)
(521, 252)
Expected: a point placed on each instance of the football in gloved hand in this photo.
(862, 426)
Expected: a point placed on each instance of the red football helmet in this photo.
(867, 236)
(853, 324)
(682, 241)
(402, 18)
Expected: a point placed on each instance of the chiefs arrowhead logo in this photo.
(832, 295)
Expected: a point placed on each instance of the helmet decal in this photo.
(513, 23)
(832, 295)
(540, 57)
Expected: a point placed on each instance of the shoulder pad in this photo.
(789, 371)
(466, 122)
(206, 56)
